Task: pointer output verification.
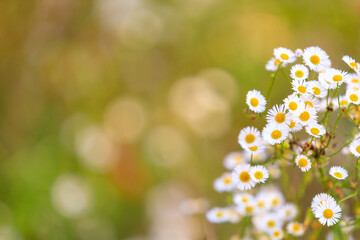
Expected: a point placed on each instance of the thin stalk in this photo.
(333, 154)
(272, 82)
(348, 197)
(286, 76)
(333, 131)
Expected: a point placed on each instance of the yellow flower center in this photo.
(304, 116)
(299, 73)
(302, 89)
(337, 78)
(254, 148)
(271, 224)
(292, 124)
(284, 56)
(358, 149)
(227, 180)
(277, 62)
(258, 175)
(328, 213)
(314, 59)
(343, 103)
(338, 175)
(308, 103)
(275, 202)
(315, 131)
(316, 90)
(261, 204)
(354, 80)
(296, 227)
(249, 209)
(238, 158)
(276, 134)
(254, 102)
(280, 118)
(244, 200)
(353, 97)
(244, 177)
(250, 138)
(302, 162)
(354, 65)
(277, 233)
(219, 214)
(293, 106)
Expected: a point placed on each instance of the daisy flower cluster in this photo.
(321, 96)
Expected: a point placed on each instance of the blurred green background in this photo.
(115, 111)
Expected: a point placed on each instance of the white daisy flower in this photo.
(274, 171)
(277, 115)
(310, 101)
(259, 156)
(303, 162)
(241, 177)
(259, 174)
(277, 234)
(316, 130)
(295, 125)
(338, 172)
(299, 52)
(307, 116)
(232, 214)
(261, 204)
(293, 103)
(274, 134)
(353, 79)
(353, 88)
(353, 96)
(224, 183)
(288, 212)
(267, 222)
(217, 215)
(285, 55)
(234, 159)
(243, 198)
(256, 101)
(328, 213)
(344, 102)
(247, 209)
(295, 228)
(257, 148)
(248, 137)
(351, 62)
(300, 86)
(355, 147)
(317, 89)
(276, 200)
(316, 59)
(273, 64)
(330, 78)
(299, 72)
(321, 198)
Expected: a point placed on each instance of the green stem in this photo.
(357, 175)
(272, 82)
(348, 197)
(333, 131)
(312, 139)
(286, 76)
(333, 154)
(338, 96)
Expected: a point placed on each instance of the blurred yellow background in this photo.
(115, 111)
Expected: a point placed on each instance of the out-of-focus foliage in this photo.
(115, 111)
